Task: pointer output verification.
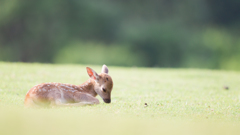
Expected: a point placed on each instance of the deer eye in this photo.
(104, 90)
(107, 79)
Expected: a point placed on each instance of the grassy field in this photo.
(180, 101)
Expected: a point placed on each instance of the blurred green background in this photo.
(163, 33)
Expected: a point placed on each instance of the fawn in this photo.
(59, 94)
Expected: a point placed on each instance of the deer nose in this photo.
(107, 100)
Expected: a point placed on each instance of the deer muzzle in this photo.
(107, 100)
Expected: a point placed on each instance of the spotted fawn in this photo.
(60, 94)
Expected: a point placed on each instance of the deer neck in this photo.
(88, 87)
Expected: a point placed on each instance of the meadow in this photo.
(144, 101)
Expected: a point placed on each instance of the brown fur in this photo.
(50, 94)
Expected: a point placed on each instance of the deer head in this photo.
(103, 83)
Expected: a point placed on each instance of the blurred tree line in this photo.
(164, 33)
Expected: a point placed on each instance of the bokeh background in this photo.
(146, 33)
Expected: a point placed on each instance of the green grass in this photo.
(180, 101)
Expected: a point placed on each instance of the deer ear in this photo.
(104, 69)
(92, 73)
